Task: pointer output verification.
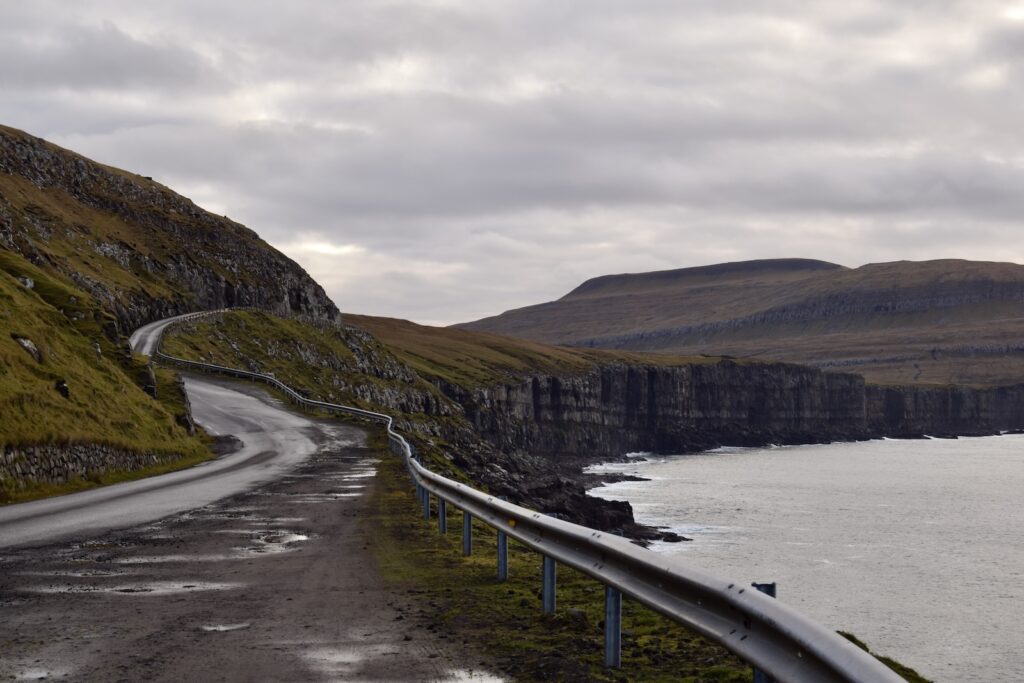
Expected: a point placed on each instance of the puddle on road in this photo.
(147, 588)
(320, 498)
(223, 628)
(274, 542)
(163, 559)
(461, 675)
(41, 674)
(359, 475)
(344, 662)
(348, 661)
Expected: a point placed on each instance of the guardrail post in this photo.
(612, 627)
(767, 589)
(442, 515)
(467, 533)
(426, 504)
(548, 589)
(502, 556)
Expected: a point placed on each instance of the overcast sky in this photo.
(442, 160)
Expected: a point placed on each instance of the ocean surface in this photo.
(916, 547)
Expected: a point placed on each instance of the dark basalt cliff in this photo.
(619, 408)
(141, 250)
(910, 411)
(616, 409)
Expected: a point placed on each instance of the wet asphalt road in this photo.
(253, 567)
(274, 439)
(144, 339)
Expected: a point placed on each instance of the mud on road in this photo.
(274, 584)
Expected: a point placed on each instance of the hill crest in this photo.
(945, 321)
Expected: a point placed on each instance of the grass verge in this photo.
(173, 400)
(505, 619)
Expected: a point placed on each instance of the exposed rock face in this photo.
(121, 228)
(620, 408)
(943, 411)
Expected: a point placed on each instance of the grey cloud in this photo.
(97, 57)
(494, 154)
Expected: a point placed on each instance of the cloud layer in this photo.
(442, 160)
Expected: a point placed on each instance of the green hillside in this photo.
(51, 332)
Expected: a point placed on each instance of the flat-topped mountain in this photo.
(945, 321)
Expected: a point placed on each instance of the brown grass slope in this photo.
(945, 321)
(473, 359)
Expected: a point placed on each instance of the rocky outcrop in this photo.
(22, 467)
(141, 250)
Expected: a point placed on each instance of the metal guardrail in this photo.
(761, 630)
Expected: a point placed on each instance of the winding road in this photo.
(257, 565)
(273, 441)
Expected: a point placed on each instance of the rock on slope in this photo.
(139, 249)
(946, 321)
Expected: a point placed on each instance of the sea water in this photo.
(915, 546)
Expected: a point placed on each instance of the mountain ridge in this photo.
(860, 319)
(734, 268)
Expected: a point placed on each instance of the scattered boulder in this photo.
(150, 382)
(29, 346)
(62, 388)
(27, 282)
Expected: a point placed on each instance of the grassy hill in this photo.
(53, 332)
(88, 253)
(947, 321)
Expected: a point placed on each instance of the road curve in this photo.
(273, 441)
(144, 339)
